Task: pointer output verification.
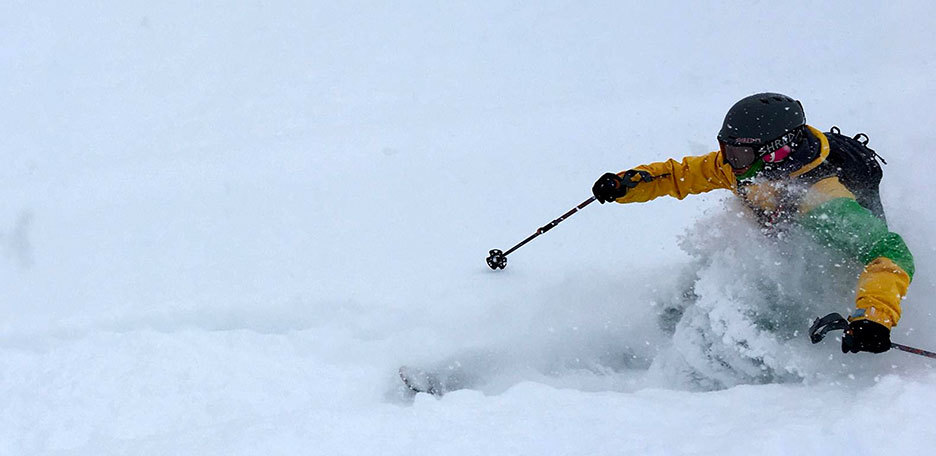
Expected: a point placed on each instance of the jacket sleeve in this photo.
(692, 175)
(830, 211)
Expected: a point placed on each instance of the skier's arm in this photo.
(692, 175)
(830, 211)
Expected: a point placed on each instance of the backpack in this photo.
(857, 167)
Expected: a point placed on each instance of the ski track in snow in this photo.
(224, 227)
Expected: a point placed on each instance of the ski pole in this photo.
(835, 321)
(915, 351)
(498, 260)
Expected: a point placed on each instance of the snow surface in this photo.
(225, 225)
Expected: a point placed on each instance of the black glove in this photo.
(866, 335)
(610, 186)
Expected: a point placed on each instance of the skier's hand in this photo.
(610, 186)
(866, 335)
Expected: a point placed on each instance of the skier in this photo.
(789, 172)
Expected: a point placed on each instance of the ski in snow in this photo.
(420, 381)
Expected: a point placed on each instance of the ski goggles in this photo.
(741, 156)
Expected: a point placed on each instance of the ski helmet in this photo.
(761, 118)
(763, 126)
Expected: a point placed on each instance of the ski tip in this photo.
(419, 381)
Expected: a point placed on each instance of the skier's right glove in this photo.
(610, 186)
(866, 335)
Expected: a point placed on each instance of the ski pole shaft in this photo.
(915, 351)
(498, 260)
(550, 225)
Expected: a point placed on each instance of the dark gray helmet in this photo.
(761, 118)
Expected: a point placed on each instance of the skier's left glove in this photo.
(866, 335)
